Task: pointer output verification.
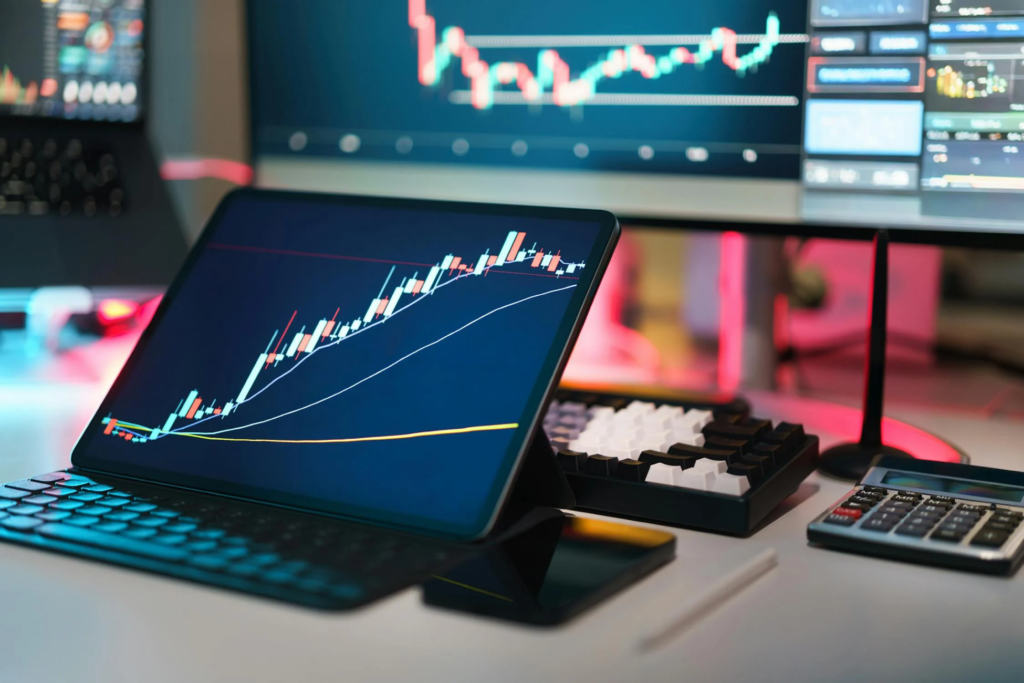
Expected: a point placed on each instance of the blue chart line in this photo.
(304, 344)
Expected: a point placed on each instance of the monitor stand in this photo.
(852, 460)
(539, 489)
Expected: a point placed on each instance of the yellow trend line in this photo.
(472, 588)
(391, 437)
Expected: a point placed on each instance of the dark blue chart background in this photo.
(329, 67)
(224, 314)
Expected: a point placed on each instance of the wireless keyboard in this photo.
(959, 516)
(258, 549)
(706, 465)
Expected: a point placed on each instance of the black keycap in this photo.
(121, 516)
(999, 519)
(762, 462)
(601, 465)
(991, 539)
(875, 489)
(772, 452)
(787, 443)
(748, 432)
(863, 500)
(118, 543)
(930, 520)
(943, 500)
(95, 510)
(911, 499)
(886, 517)
(841, 520)
(878, 525)
(148, 522)
(25, 510)
(86, 497)
(742, 469)
(632, 470)
(81, 520)
(1009, 513)
(797, 429)
(936, 509)
(66, 505)
(51, 478)
(973, 508)
(916, 530)
(657, 457)
(904, 507)
(697, 452)
(13, 494)
(947, 535)
(956, 528)
(572, 461)
(140, 533)
(965, 520)
(855, 505)
(999, 526)
(53, 516)
(59, 492)
(20, 523)
(38, 499)
(722, 443)
(28, 485)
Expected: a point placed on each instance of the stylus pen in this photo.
(712, 599)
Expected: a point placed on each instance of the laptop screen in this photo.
(72, 59)
(378, 359)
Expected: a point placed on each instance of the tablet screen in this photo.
(379, 359)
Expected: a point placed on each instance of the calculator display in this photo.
(956, 487)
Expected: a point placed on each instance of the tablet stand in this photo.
(852, 460)
(539, 486)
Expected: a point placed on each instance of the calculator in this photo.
(946, 514)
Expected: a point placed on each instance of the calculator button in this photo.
(1009, 513)
(973, 508)
(967, 520)
(945, 500)
(948, 535)
(856, 505)
(999, 526)
(937, 509)
(917, 530)
(997, 518)
(882, 525)
(959, 528)
(868, 494)
(875, 489)
(886, 517)
(906, 498)
(992, 539)
(841, 520)
(894, 509)
(848, 512)
(923, 519)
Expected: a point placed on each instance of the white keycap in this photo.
(658, 441)
(701, 418)
(634, 419)
(657, 422)
(670, 412)
(730, 484)
(688, 439)
(694, 479)
(661, 474)
(709, 465)
(584, 445)
(602, 413)
(641, 407)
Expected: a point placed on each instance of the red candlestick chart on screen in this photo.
(301, 337)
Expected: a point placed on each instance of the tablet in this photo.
(376, 359)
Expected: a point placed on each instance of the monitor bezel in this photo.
(543, 389)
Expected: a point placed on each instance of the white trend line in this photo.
(482, 42)
(384, 369)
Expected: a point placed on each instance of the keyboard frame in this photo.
(681, 507)
(1004, 560)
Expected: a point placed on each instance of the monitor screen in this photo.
(379, 361)
(845, 112)
(72, 59)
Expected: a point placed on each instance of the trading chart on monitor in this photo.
(367, 345)
(78, 59)
(656, 86)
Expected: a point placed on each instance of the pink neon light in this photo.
(732, 309)
(195, 169)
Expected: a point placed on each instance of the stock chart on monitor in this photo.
(77, 59)
(657, 86)
(381, 357)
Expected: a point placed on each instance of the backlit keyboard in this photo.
(47, 176)
(305, 559)
(706, 466)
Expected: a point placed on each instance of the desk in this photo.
(820, 616)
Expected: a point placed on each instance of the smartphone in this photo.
(552, 572)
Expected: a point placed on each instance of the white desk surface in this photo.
(819, 616)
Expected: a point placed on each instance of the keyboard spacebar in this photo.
(74, 534)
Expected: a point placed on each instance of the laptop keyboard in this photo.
(259, 549)
(41, 177)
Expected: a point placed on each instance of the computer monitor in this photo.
(813, 116)
(72, 59)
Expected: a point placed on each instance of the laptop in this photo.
(81, 199)
(333, 399)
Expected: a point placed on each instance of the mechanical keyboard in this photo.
(60, 177)
(952, 515)
(258, 549)
(704, 465)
